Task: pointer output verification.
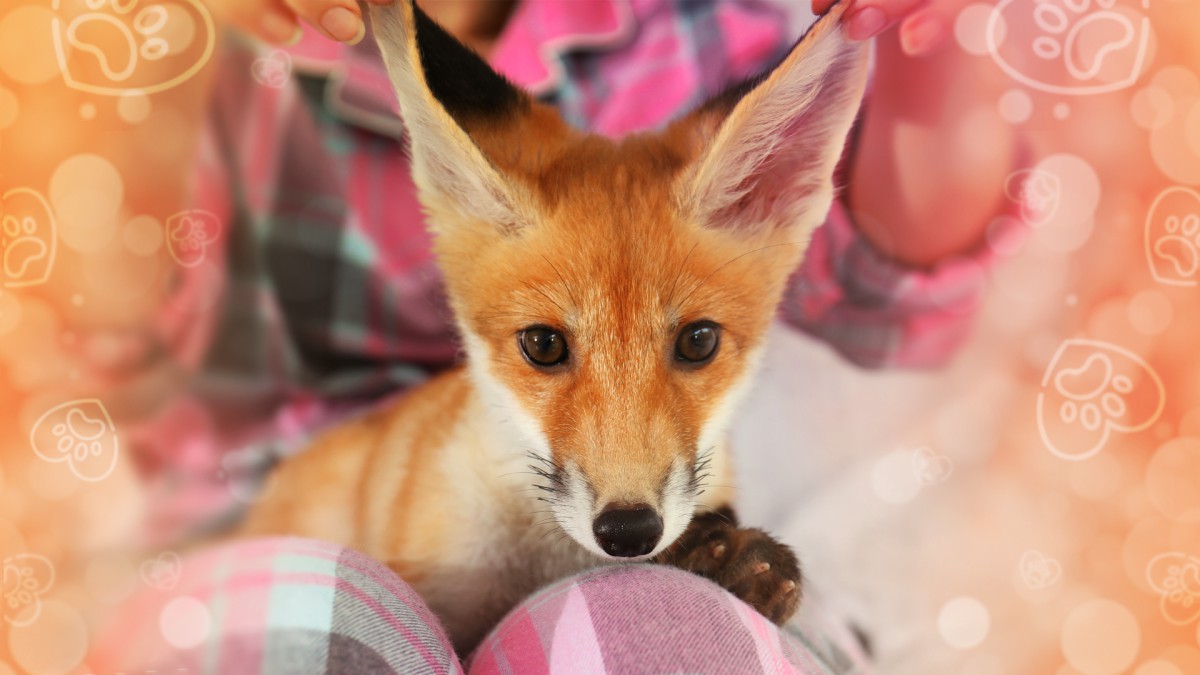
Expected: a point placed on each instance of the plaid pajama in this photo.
(299, 606)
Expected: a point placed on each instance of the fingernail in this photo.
(342, 25)
(280, 29)
(362, 32)
(919, 34)
(865, 23)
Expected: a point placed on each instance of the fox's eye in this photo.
(543, 346)
(697, 342)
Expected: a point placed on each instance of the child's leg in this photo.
(273, 606)
(654, 619)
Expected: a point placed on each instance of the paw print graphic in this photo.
(1175, 577)
(1070, 46)
(162, 572)
(1037, 192)
(931, 468)
(1092, 389)
(111, 47)
(79, 434)
(26, 578)
(1173, 237)
(189, 234)
(272, 70)
(27, 238)
(1039, 570)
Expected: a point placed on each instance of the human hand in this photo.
(923, 25)
(933, 152)
(278, 21)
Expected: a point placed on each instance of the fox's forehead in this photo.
(626, 276)
(562, 167)
(626, 177)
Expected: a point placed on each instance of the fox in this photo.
(612, 298)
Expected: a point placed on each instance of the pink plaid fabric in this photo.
(299, 606)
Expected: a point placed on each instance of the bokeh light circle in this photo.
(1100, 637)
(54, 644)
(1173, 480)
(1151, 108)
(27, 45)
(1150, 312)
(1015, 106)
(87, 192)
(970, 28)
(179, 30)
(133, 106)
(893, 479)
(1078, 196)
(143, 235)
(964, 622)
(1170, 138)
(185, 622)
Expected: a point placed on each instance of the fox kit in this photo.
(613, 297)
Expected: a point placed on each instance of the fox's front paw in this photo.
(745, 561)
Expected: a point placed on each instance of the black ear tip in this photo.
(460, 79)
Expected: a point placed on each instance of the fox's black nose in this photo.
(627, 531)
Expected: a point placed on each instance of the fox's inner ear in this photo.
(449, 96)
(770, 146)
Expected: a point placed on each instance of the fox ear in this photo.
(448, 96)
(770, 145)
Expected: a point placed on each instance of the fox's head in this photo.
(614, 294)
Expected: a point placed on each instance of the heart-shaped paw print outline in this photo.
(931, 468)
(1165, 267)
(1111, 404)
(47, 240)
(145, 26)
(1039, 570)
(1037, 192)
(162, 572)
(190, 233)
(26, 578)
(1175, 576)
(75, 446)
(272, 70)
(1137, 42)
